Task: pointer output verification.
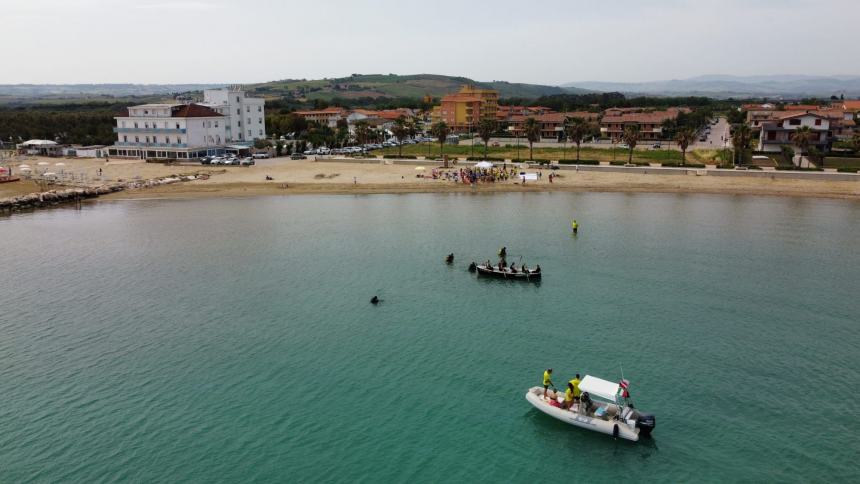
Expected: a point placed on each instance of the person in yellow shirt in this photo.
(568, 396)
(574, 386)
(547, 380)
(574, 225)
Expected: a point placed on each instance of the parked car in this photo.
(623, 146)
(656, 146)
(248, 161)
(298, 156)
(261, 156)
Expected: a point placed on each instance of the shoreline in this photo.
(186, 191)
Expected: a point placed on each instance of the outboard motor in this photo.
(645, 422)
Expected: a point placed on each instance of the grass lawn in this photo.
(839, 162)
(600, 154)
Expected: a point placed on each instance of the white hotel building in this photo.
(226, 120)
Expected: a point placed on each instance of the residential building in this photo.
(463, 110)
(169, 131)
(551, 123)
(650, 123)
(327, 117)
(244, 116)
(778, 131)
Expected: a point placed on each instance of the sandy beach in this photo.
(308, 176)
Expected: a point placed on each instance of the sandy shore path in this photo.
(307, 176)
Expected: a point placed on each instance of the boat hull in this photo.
(625, 430)
(521, 276)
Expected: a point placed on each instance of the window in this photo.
(177, 126)
(247, 109)
(237, 98)
(261, 132)
(179, 139)
(771, 135)
(146, 125)
(259, 109)
(216, 124)
(167, 139)
(260, 120)
(147, 139)
(218, 139)
(818, 122)
(145, 112)
(125, 139)
(135, 125)
(249, 133)
(794, 122)
(249, 120)
(240, 123)
(238, 111)
(137, 139)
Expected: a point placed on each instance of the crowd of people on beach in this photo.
(479, 175)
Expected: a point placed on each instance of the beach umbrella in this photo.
(26, 168)
(483, 164)
(43, 163)
(59, 164)
(420, 168)
(23, 166)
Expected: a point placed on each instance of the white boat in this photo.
(602, 409)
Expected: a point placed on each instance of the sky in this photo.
(542, 42)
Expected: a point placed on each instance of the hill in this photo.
(724, 86)
(391, 86)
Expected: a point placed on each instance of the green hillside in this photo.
(391, 86)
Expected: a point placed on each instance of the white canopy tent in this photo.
(483, 164)
(599, 388)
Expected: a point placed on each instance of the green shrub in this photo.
(481, 158)
(670, 164)
(754, 167)
(694, 165)
(399, 157)
(580, 162)
(847, 170)
(617, 163)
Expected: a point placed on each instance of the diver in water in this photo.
(374, 300)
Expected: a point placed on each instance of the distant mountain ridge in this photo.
(723, 86)
(118, 90)
(413, 86)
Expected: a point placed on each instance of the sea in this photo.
(232, 340)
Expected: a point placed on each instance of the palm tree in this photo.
(486, 128)
(532, 131)
(684, 138)
(440, 130)
(399, 132)
(741, 139)
(802, 138)
(577, 129)
(631, 137)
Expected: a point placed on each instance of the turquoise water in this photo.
(232, 340)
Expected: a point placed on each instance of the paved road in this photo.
(719, 134)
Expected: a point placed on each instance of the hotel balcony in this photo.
(150, 130)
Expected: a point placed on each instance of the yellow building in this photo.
(464, 110)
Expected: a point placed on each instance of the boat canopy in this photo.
(599, 388)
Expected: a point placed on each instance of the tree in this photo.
(279, 148)
(440, 131)
(787, 153)
(631, 137)
(802, 138)
(685, 137)
(362, 130)
(531, 129)
(577, 129)
(399, 132)
(741, 139)
(486, 128)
